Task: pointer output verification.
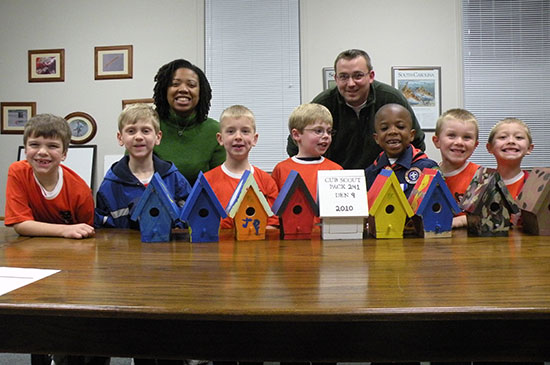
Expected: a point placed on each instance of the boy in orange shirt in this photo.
(310, 126)
(43, 197)
(238, 135)
(456, 136)
(509, 141)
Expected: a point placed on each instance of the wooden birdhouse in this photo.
(202, 212)
(433, 205)
(156, 211)
(388, 206)
(249, 209)
(534, 202)
(488, 204)
(343, 207)
(296, 208)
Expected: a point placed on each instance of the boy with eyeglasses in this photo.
(353, 103)
(310, 126)
(394, 134)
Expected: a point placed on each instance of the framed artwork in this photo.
(328, 78)
(148, 101)
(15, 116)
(422, 88)
(80, 159)
(46, 65)
(83, 127)
(113, 62)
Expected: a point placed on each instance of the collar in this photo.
(370, 99)
(405, 160)
(182, 122)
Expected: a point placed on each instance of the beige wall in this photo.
(393, 32)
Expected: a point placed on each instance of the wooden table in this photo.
(460, 298)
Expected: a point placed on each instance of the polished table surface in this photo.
(460, 298)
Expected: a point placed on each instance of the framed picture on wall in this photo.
(83, 127)
(15, 116)
(422, 88)
(113, 62)
(46, 65)
(148, 101)
(328, 78)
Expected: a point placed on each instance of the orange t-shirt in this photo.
(224, 184)
(24, 199)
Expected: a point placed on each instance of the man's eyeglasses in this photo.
(320, 131)
(356, 76)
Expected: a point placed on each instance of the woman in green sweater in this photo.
(182, 96)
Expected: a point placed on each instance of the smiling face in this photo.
(139, 138)
(314, 140)
(353, 88)
(457, 141)
(393, 126)
(509, 143)
(44, 155)
(183, 93)
(237, 135)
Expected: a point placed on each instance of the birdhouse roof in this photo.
(247, 182)
(292, 183)
(156, 187)
(430, 181)
(481, 191)
(535, 190)
(201, 186)
(384, 182)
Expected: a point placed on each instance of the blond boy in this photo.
(43, 197)
(509, 141)
(310, 126)
(238, 135)
(124, 183)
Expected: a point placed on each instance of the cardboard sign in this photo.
(342, 193)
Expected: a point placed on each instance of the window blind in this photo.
(506, 54)
(253, 59)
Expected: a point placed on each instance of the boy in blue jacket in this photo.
(394, 134)
(139, 132)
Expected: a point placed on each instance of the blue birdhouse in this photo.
(296, 208)
(156, 211)
(433, 204)
(202, 212)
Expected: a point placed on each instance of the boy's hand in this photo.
(80, 230)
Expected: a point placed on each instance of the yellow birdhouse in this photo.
(388, 207)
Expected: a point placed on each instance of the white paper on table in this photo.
(12, 278)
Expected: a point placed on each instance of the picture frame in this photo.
(46, 65)
(80, 159)
(83, 127)
(14, 116)
(148, 101)
(421, 86)
(113, 62)
(328, 78)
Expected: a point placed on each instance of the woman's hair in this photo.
(163, 80)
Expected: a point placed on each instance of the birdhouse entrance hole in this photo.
(250, 211)
(297, 209)
(494, 207)
(203, 212)
(389, 209)
(436, 208)
(154, 212)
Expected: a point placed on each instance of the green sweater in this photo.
(190, 145)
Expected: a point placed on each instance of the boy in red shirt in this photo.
(310, 126)
(43, 197)
(456, 137)
(238, 135)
